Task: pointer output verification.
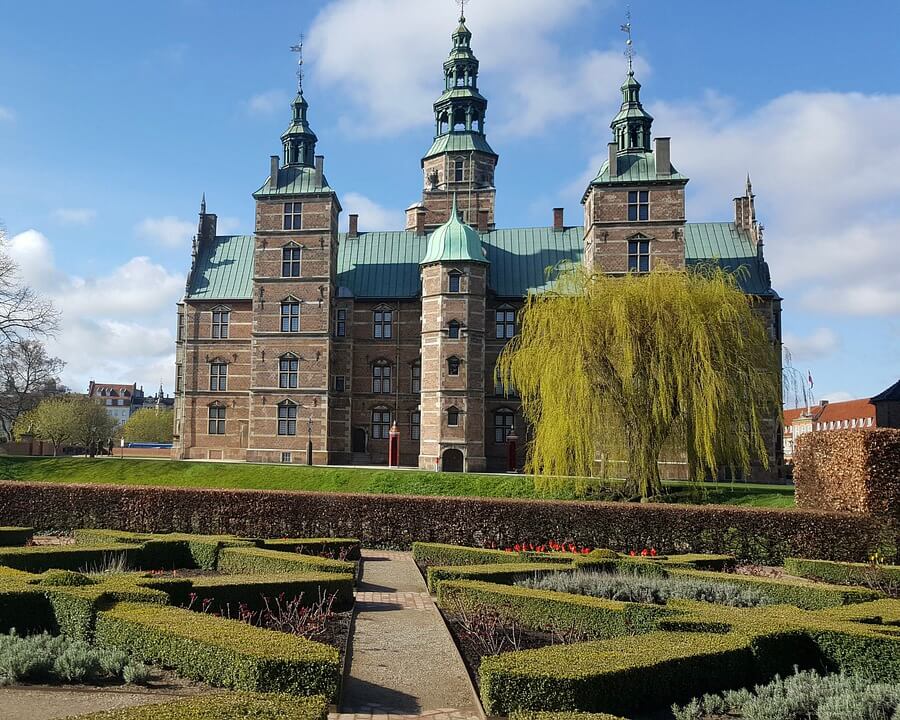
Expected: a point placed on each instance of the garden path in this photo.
(403, 660)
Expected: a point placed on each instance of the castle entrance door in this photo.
(452, 461)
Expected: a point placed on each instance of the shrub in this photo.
(24, 608)
(249, 590)
(65, 557)
(228, 706)
(429, 554)
(334, 548)
(524, 715)
(61, 578)
(843, 573)
(267, 562)
(506, 574)
(96, 536)
(221, 652)
(638, 589)
(11, 536)
(136, 673)
(758, 534)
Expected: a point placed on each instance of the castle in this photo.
(302, 344)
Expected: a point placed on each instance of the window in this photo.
(179, 377)
(218, 377)
(340, 383)
(341, 326)
(220, 321)
(453, 366)
(503, 425)
(293, 216)
(288, 371)
(454, 282)
(286, 457)
(216, 420)
(287, 419)
(459, 170)
(180, 326)
(415, 425)
(638, 205)
(453, 330)
(290, 316)
(290, 261)
(416, 381)
(505, 321)
(639, 256)
(453, 417)
(381, 424)
(383, 322)
(381, 378)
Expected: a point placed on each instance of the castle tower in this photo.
(295, 260)
(634, 208)
(454, 284)
(460, 162)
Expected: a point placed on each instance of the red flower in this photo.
(653, 552)
(632, 553)
(585, 551)
(517, 547)
(645, 552)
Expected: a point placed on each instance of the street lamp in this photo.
(309, 449)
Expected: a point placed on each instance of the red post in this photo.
(512, 464)
(394, 446)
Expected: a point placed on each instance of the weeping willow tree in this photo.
(622, 367)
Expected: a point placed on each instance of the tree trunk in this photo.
(643, 462)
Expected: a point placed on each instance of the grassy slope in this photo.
(276, 477)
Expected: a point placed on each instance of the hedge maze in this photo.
(632, 657)
(116, 590)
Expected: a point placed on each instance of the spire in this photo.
(454, 241)
(299, 140)
(631, 127)
(203, 204)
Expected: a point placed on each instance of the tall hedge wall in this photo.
(767, 535)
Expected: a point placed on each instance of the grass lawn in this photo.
(353, 480)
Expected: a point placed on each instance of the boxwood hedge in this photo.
(317, 546)
(842, 572)
(11, 536)
(506, 574)
(259, 560)
(221, 652)
(68, 557)
(233, 590)
(227, 706)
(572, 715)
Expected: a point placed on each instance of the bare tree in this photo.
(23, 313)
(27, 376)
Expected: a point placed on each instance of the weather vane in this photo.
(298, 48)
(462, 8)
(629, 43)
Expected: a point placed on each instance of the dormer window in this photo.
(293, 216)
(638, 205)
(290, 261)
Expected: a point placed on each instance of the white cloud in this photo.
(372, 216)
(821, 343)
(228, 225)
(6, 115)
(168, 231)
(391, 69)
(268, 102)
(74, 216)
(116, 326)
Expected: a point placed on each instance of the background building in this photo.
(299, 334)
(119, 400)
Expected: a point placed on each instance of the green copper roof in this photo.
(634, 167)
(732, 249)
(295, 180)
(459, 142)
(454, 241)
(223, 270)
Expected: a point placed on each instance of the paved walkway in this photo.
(403, 661)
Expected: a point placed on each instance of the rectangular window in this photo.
(381, 378)
(287, 419)
(453, 366)
(218, 377)
(290, 261)
(341, 327)
(180, 326)
(639, 256)
(453, 418)
(290, 317)
(179, 377)
(459, 170)
(503, 426)
(415, 426)
(340, 383)
(638, 205)
(288, 371)
(453, 330)
(383, 324)
(381, 424)
(293, 216)
(286, 457)
(416, 384)
(216, 420)
(454, 282)
(505, 322)
(220, 321)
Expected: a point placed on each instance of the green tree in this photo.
(149, 425)
(52, 420)
(93, 426)
(626, 366)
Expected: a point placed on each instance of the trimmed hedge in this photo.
(317, 546)
(524, 715)
(67, 557)
(267, 562)
(504, 574)
(544, 610)
(228, 706)
(756, 534)
(842, 573)
(234, 590)
(25, 609)
(13, 536)
(221, 652)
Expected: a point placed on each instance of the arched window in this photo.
(221, 319)
(453, 328)
(505, 322)
(504, 422)
(216, 419)
(290, 315)
(291, 256)
(452, 417)
(381, 423)
(381, 377)
(453, 364)
(287, 418)
(454, 281)
(288, 371)
(218, 376)
(383, 323)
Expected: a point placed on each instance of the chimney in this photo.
(208, 222)
(353, 232)
(320, 171)
(273, 172)
(663, 156)
(420, 220)
(613, 160)
(483, 225)
(559, 219)
(743, 215)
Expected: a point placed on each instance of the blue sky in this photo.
(114, 119)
